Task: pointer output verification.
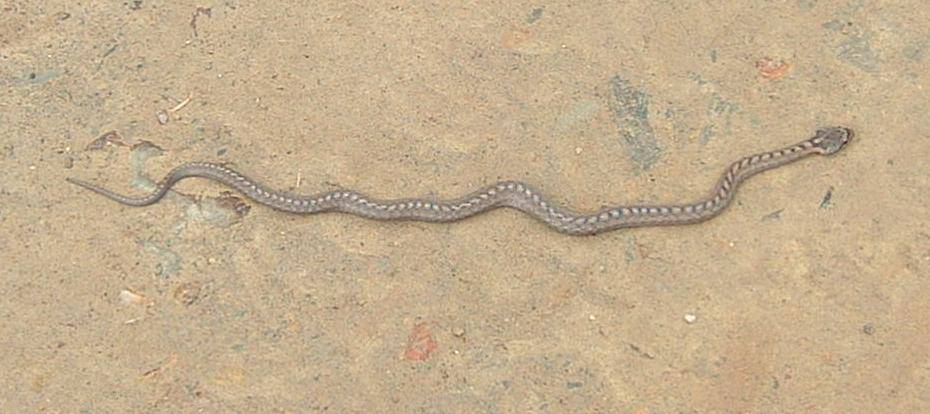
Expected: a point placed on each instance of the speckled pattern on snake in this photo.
(513, 194)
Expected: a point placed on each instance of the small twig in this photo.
(164, 115)
(182, 104)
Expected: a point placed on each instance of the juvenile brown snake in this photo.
(512, 194)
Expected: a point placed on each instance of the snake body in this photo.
(513, 194)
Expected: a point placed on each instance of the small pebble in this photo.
(162, 117)
(458, 332)
(187, 293)
(868, 329)
(127, 297)
(690, 318)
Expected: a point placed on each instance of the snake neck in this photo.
(741, 170)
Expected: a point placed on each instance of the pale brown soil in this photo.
(811, 294)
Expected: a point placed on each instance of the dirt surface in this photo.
(810, 294)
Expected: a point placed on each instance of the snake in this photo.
(516, 195)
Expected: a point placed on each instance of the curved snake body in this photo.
(513, 194)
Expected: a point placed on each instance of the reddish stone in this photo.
(420, 344)
(772, 69)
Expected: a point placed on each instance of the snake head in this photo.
(829, 141)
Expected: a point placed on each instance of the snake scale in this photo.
(513, 194)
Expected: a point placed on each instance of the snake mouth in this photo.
(849, 137)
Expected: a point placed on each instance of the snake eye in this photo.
(831, 140)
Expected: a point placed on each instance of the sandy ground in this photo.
(811, 294)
